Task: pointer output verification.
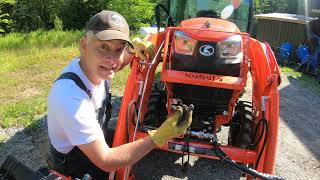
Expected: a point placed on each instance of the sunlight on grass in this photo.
(34, 76)
(12, 60)
(306, 80)
(2, 138)
(23, 113)
(29, 65)
(119, 81)
(291, 72)
(40, 39)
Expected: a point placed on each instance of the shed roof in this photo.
(293, 18)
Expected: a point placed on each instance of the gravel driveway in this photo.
(298, 153)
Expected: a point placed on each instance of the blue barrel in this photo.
(285, 50)
(303, 53)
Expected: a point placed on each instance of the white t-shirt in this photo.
(71, 113)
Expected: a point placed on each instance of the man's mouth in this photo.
(107, 68)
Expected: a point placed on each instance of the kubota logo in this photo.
(199, 76)
(206, 50)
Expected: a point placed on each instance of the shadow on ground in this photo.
(164, 165)
(300, 111)
(24, 144)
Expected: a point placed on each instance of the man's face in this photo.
(103, 58)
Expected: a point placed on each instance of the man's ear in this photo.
(84, 44)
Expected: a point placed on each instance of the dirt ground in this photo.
(298, 153)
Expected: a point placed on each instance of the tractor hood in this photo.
(212, 24)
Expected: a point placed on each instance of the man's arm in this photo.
(110, 159)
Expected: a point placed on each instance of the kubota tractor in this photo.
(205, 55)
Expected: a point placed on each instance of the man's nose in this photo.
(111, 60)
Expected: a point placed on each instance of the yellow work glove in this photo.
(174, 126)
(143, 48)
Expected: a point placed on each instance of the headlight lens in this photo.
(231, 47)
(183, 44)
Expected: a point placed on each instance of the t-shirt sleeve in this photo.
(77, 117)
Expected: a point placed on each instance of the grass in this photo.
(40, 39)
(29, 65)
(307, 81)
(24, 112)
(25, 81)
(2, 138)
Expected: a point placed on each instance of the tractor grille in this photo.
(206, 99)
(204, 64)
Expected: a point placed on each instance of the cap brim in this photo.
(113, 35)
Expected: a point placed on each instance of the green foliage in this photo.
(6, 10)
(76, 13)
(138, 13)
(58, 25)
(31, 15)
(281, 6)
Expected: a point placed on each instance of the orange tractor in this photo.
(205, 55)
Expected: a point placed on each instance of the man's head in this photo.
(102, 47)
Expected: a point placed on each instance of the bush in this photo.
(31, 15)
(58, 25)
(6, 11)
(281, 6)
(138, 13)
(75, 13)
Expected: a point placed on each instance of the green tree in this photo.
(6, 11)
(31, 15)
(138, 13)
(75, 13)
(281, 6)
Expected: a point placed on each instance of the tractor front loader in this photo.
(203, 58)
(205, 55)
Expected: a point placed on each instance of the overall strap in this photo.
(74, 77)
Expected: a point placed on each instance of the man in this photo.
(79, 99)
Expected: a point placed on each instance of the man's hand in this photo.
(144, 49)
(173, 127)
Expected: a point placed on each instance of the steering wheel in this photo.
(209, 13)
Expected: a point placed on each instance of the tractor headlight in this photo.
(183, 44)
(231, 47)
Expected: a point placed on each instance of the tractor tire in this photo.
(156, 112)
(241, 126)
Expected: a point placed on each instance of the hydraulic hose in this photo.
(265, 127)
(249, 171)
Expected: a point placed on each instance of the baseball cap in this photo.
(109, 25)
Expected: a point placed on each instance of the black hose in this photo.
(249, 171)
(265, 126)
(255, 134)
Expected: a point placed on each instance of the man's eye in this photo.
(120, 50)
(103, 47)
